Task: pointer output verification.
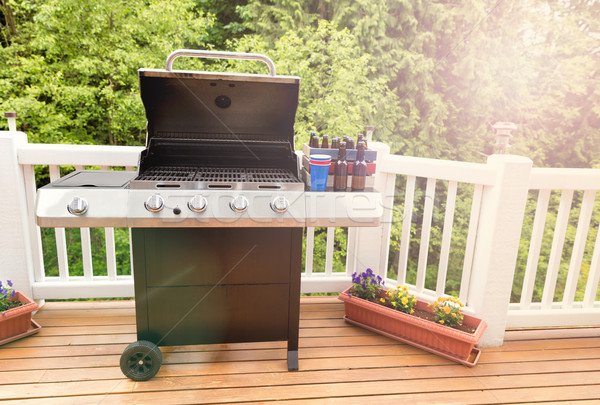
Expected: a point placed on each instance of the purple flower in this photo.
(10, 284)
(12, 295)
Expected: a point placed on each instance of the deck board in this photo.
(74, 360)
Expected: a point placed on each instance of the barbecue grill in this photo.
(216, 208)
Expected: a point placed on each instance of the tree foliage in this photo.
(68, 67)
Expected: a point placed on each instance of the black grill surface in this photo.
(218, 174)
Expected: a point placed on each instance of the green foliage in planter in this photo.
(448, 311)
(6, 297)
(400, 300)
(366, 285)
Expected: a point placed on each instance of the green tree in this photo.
(69, 67)
(337, 95)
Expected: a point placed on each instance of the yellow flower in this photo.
(453, 314)
(404, 300)
(442, 321)
(382, 299)
(447, 310)
(394, 303)
(412, 311)
(390, 293)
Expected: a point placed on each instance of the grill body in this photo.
(218, 285)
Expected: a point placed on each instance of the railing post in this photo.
(368, 247)
(497, 245)
(15, 251)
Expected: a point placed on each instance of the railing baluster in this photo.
(86, 253)
(425, 234)
(329, 251)
(130, 253)
(86, 247)
(591, 288)
(470, 245)
(310, 246)
(111, 259)
(535, 246)
(583, 226)
(446, 237)
(409, 199)
(560, 231)
(35, 235)
(61, 240)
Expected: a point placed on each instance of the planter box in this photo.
(17, 323)
(442, 340)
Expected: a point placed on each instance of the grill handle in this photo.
(195, 53)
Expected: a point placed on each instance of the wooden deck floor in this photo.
(74, 360)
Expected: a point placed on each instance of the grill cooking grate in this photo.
(168, 173)
(214, 174)
(269, 176)
(217, 175)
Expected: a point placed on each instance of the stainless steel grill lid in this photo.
(218, 106)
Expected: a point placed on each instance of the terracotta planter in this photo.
(16, 322)
(442, 340)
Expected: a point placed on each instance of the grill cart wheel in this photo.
(141, 360)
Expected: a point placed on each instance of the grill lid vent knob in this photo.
(239, 203)
(77, 206)
(197, 204)
(155, 203)
(280, 204)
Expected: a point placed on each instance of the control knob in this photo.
(197, 204)
(280, 204)
(77, 206)
(154, 203)
(239, 203)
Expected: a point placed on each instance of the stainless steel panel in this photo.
(218, 212)
(106, 207)
(343, 209)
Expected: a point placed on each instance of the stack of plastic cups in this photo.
(319, 170)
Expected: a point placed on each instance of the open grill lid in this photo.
(218, 107)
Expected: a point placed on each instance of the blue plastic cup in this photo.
(319, 170)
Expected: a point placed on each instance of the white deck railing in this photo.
(479, 208)
(564, 259)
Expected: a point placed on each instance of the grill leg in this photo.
(292, 360)
(294, 314)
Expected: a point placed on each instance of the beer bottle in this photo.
(359, 170)
(325, 143)
(335, 142)
(340, 179)
(361, 137)
(350, 143)
(314, 140)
